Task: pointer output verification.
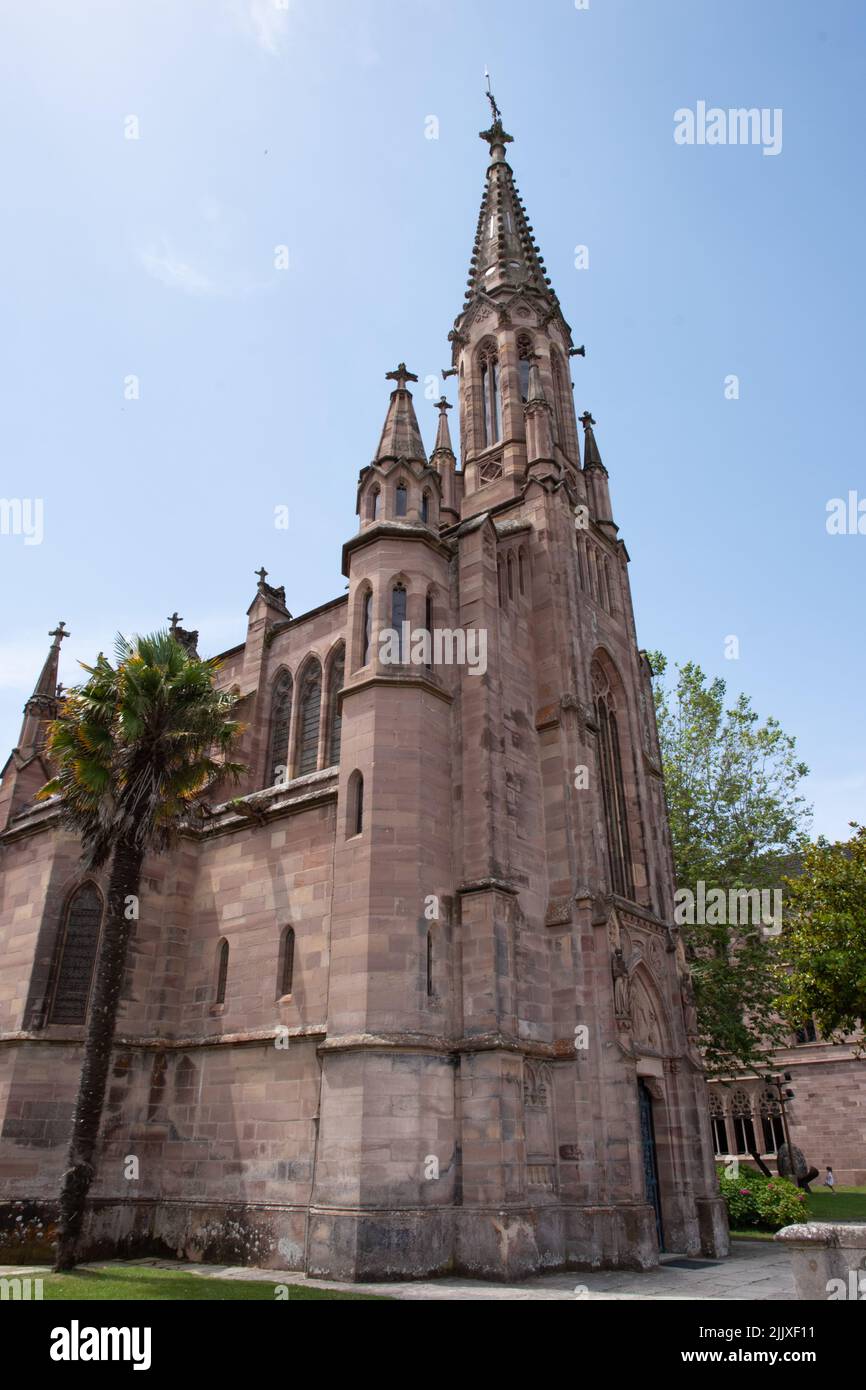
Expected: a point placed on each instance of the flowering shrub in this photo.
(759, 1203)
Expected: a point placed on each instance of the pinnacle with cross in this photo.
(401, 375)
(262, 573)
(60, 632)
(442, 405)
(174, 620)
(586, 420)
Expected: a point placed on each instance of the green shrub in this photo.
(759, 1203)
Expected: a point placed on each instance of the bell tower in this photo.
(511, 347)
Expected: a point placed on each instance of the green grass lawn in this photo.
(846, 1204)
(116, 1283)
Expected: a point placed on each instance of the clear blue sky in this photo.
(304, 126)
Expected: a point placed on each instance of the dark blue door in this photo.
(650, 1166)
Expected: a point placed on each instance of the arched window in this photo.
(425, 506)
(287, 961)
(510, 571)
(367, 627)
(281, 713)
(612, 786)
(400, 499)
(718, 1123)
(76, 956)
(308, 721)
(398, 615)
(375, 503)
(335, 718)
(524, 351)
(491, 406)
(744, 1128)
(429, 965)
(772, 1124)
(355, 806)
(222, 971)
(500, 579)
(521, 567)
(428, 623)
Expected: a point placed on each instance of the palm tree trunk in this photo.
(98, 1044)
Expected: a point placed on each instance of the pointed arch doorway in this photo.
(650, 1156)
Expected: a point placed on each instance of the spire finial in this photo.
(263, 574)
(59, 633)
(496, 136)
(401, 375)
(586, 420)
(174, 620)
(442, 405)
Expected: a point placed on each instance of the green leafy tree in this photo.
(736, 814)
(824, 940)
(135, 746)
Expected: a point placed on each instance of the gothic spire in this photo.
(505, 252)
(44, 702)
(591, 455)
(401, 436)
(45, 693)
(443, 433)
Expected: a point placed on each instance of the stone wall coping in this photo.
(844, 1235)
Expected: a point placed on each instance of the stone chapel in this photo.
(412, 1000)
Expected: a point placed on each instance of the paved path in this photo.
(757, 1270)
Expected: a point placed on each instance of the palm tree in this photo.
(136, 747)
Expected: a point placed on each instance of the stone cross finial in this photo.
(174, 620)
(586, 420)
(263, 574)
(60, 632)
(442, 405)
(401, 375)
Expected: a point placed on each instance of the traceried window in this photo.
(772, 1125)
(76, 956)
(335, 718)
(400, 499)
(524, 351)
(308, 721)
(287, 961)
(612, 785)
(281, 713)
(491, 405)
(398, 615)
(718, 1124)
(744, 1128)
